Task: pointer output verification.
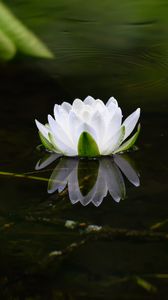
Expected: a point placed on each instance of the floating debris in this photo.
(70, 224)
(55, 253)
(93, 228)
(8, 225)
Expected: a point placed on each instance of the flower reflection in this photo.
(90, 180)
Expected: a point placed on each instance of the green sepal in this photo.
(128, 144)
(45, 142)
(87, 146)
(52, 142)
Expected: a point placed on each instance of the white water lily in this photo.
(88, 128)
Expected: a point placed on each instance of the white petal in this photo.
(78, 106)
(62, 117)
(89, 100)
(86, 115)
(61, 139)
(66, 106)
(114, 122)
(58, 113)
(43, 129)
(74, 123)
(98, 123)
(114, 142)
(87, 128)
(112, 101)
(60, 132)
(113, 125)
(131, 122)
(61, 147)
(99, 105)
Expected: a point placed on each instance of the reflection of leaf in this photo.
(16, 34)
(146, 285)
(87, 175)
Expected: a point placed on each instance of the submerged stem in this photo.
(23, 176)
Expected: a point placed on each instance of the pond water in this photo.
(75, 239)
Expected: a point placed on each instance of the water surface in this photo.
(101, 49)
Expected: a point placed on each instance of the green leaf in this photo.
(7, 47)
(128, 144)
(87, 146)
(45, 142)
(24, 40)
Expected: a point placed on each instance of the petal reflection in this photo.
(60, 175)
(89, 181)
(46, 161)
(114, 179)
(125, 166)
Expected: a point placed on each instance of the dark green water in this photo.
(102, 49)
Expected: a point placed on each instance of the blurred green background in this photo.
(104, 48)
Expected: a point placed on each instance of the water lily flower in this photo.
(88, 128)
(89, 181)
